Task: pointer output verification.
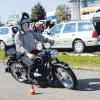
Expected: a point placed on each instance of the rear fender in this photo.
(9, 64)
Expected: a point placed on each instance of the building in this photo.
(84, 9)
(51, 16)
(13, 19)
(89, 3)
(88, 7)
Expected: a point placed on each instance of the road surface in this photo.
(88, 88)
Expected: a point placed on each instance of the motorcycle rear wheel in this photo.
(18, 73)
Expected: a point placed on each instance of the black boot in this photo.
(31, 76)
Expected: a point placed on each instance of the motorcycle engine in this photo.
(38, 61)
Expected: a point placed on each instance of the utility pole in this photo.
(76, 9)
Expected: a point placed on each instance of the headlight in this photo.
(38, 61)
(53, 54)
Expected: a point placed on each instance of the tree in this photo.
(38, 12)
(63, 13)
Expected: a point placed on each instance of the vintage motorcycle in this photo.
(47, 68)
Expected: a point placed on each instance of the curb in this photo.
(86, 68)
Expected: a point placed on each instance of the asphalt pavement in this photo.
(88, 88)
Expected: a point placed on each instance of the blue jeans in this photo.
(29, 62)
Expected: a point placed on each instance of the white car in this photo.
(74, 34)
(6, 37)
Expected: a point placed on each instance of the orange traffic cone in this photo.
(32, 90)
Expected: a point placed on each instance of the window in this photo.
(3, 31)
(85, 26)
(56, 29)
(69, 28)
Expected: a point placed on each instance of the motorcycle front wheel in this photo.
(66, 77)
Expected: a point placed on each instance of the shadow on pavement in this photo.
(38, 93)
(91, 49)
(54, 84)
(89, 84)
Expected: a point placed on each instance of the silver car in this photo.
(74, 34)
(6, 37)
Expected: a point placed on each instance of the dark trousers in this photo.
(29, 62)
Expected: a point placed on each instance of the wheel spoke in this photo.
(64, 78)
(17, 72)
(79, 46)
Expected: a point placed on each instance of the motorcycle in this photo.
(48, 68)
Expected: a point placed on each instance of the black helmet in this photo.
(24, 19)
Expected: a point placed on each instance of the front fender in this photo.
(9, 62)
(61, 64)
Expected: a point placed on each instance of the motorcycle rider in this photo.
(39, 27)
(26, 45)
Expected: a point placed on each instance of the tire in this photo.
(66, 77)
(19, 73)
(2, 45)
(79, 46)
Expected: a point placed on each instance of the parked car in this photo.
(6, 37)
(74, 34)
(96, 21)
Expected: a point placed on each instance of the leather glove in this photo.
(51, 42)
